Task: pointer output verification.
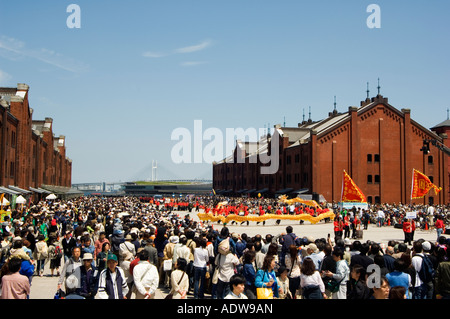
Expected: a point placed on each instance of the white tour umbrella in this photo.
(21, 200)
(5, 202)
(51, 196)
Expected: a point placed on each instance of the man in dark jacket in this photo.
(365, 219)
(89, 277)
(116, 239)
(361, 258)
(286, 241)
(152, 252)
(388, 259)
(68, 243)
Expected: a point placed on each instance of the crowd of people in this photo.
(129, 247)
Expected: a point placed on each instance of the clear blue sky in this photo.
(118, 86)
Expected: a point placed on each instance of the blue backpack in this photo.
(426, 273)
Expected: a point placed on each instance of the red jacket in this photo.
(407, 227)
(338, 226)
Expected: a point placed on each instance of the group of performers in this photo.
(243, 210)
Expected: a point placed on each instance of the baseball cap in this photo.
(426, 246)
(112, 257)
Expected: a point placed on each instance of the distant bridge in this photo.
(118, 187)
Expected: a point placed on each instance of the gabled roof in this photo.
(325, 124)
(229, 159)
(293, 133)
(446, 123)
(331, 123)
(248, 147)
(261, 147)
(302, 133)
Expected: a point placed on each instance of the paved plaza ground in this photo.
(45, 287)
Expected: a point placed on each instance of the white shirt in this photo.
(296, 267)
(210, 249)
(342, 272)
(315, 280)
(146, 277)
(259, 259)
(69, 268)
(416, 261)
(201, 257)
(231, 295)
(181, 251)
(226, 264)
(125, 265)
(127, 247)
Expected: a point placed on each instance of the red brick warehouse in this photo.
(31, 155)
(377, 144)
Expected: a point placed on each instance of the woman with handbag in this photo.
(338, 284)
(169, 251)
(179, 280)
(226, 266)
(266, 280)
(283, 281)
(293, 263)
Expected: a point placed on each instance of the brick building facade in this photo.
(31, 155)
(377, 144)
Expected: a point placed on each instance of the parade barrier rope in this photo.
(326, 213)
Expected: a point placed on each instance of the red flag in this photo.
(350, 191)
(421, 185)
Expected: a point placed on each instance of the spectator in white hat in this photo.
(88, 277)
(72, 284)
(314, 253)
